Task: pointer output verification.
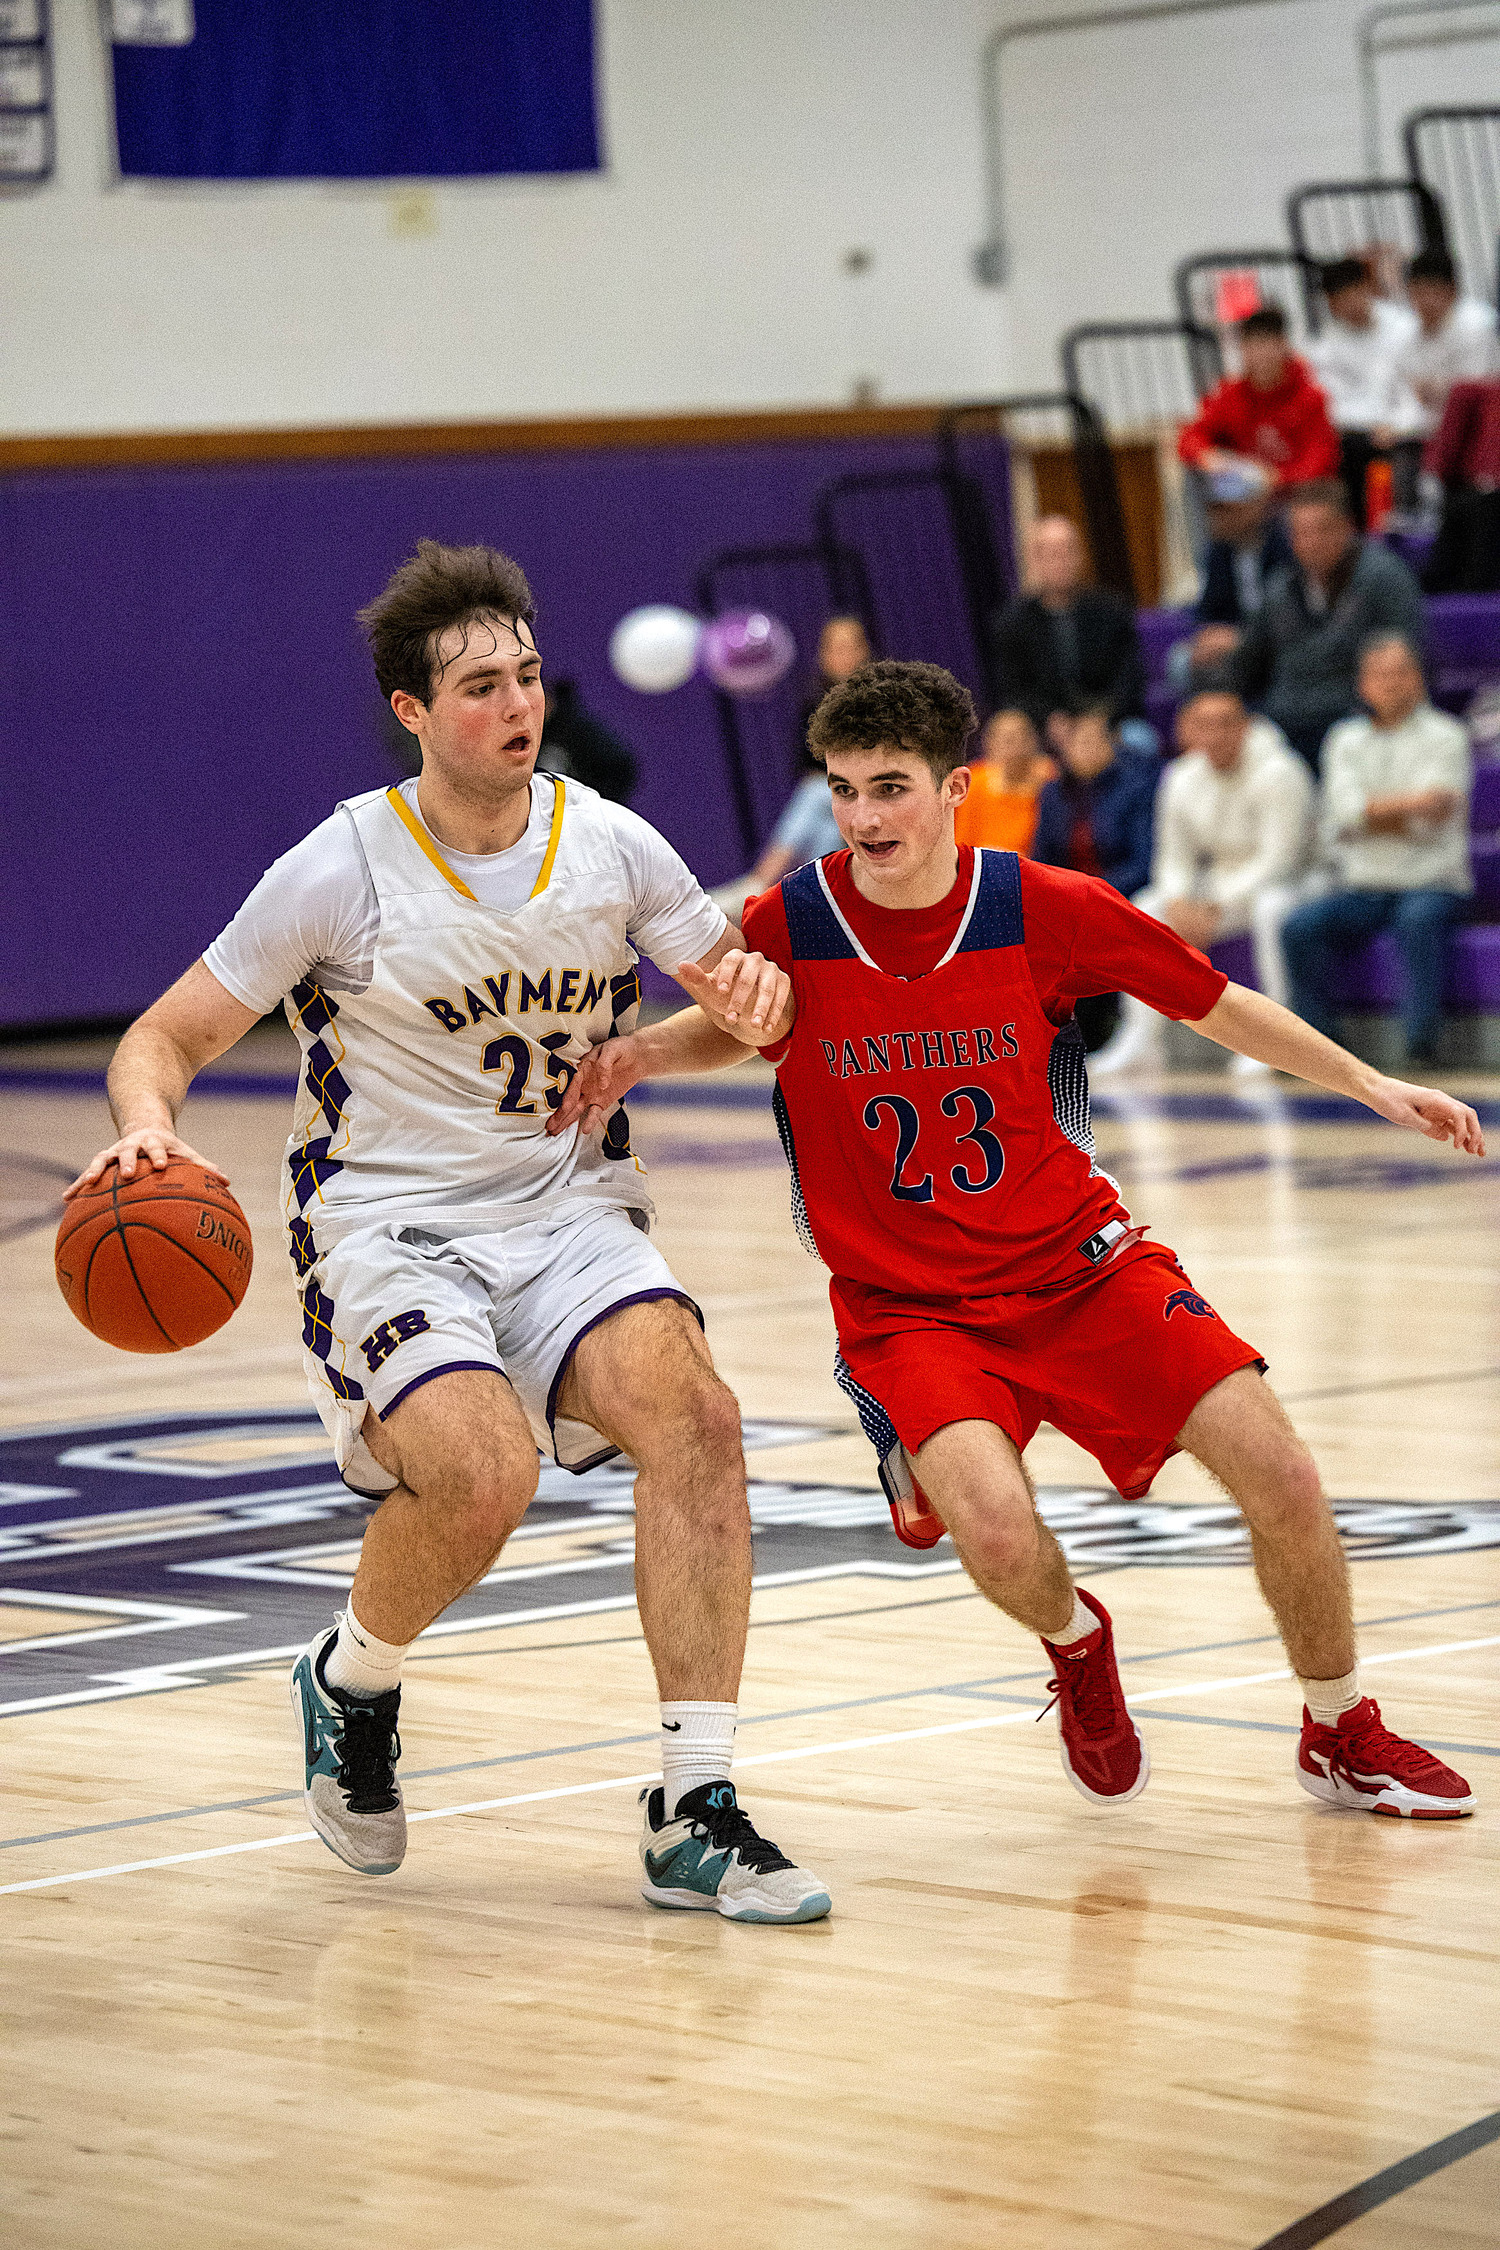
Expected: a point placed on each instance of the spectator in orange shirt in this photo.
(1267, 428)
(1004, 783)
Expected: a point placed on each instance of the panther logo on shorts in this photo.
(1190, 1301)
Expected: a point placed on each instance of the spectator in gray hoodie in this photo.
(1299, 657)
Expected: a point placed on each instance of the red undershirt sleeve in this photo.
(765, 929)
(1082, 937)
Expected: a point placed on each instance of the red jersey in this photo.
(1288, 427)
(932, 1097)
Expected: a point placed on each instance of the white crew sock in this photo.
(1328, 1700)
(1079, 1625)
(697, 1745)
(360, 1665)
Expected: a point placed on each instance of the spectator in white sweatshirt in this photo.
(1396, 789)
(1455, 343)
(1234, 835)
(1357, 360)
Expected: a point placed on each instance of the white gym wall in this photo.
(751, 144)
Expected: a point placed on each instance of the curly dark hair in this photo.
(919, 708)
(435, 589)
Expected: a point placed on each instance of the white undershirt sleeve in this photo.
(313, 913)
(671, 918)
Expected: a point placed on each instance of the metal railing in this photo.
(1456, 153)
(927, 543)
(1407, 26)
(1053, 418)
(1330, 219)
(1279, 277)
(1142, 376)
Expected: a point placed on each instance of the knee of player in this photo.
(1000, 1543)
(697, 1415)
(1289, 1493)
(496, 1496)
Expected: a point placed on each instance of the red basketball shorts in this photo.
(1116, 1363)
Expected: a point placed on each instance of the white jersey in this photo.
(426, 1093)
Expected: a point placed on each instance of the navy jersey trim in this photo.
(814, 929)
(997, 918)
(994, 919)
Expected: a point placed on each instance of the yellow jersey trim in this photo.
(559, 798)
(409, 820)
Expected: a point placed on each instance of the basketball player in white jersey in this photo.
(473, 1289)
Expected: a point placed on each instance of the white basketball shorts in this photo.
(392, 1306)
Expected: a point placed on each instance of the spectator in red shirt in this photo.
(1268, 427)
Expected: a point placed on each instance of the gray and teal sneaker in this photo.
(350, 1747)
(709, 1858)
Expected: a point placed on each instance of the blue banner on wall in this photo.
(357, 90)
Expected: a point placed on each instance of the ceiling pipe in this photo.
(991, 260)
(1372, 45)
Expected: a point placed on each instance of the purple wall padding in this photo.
(183, 691)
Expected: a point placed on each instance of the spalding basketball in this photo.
(157, 1262)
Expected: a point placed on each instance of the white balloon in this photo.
(656, 648)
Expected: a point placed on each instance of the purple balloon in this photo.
(746, 651)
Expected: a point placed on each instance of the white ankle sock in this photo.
(358, 1664)
(1079, 1625)
(697, 1745)
(1328, 1700)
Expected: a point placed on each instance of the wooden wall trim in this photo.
(373, 441)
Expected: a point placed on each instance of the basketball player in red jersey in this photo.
(933, 1102)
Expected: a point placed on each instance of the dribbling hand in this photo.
(148, 1144)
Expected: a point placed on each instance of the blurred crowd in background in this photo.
(1310, 794)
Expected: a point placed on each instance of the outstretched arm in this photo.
(744, 1003)
(1251, 1024)
(154, 1065)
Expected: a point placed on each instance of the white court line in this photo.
(183, 1672)
(761, 1758)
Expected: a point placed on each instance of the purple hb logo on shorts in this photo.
(1190, 1301)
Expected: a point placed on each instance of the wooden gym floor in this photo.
(1199, 2021)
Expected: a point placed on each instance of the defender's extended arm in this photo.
(1250, 1024)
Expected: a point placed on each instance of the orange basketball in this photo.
(157, 1262)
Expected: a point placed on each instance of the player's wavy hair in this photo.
(435, 589)
(918, 708)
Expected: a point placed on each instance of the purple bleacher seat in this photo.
(1463, 632)
(1371, 978)
(1237, 960)
(1484, 858)
(1159, 628)
(1484, 809)
(1464, 640)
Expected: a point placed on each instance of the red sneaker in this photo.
(1102, 1751)
(1362, 1764)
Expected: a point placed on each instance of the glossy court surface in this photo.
(1224, 2015)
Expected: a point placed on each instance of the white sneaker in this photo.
(710, 1858)
(350, 1748)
